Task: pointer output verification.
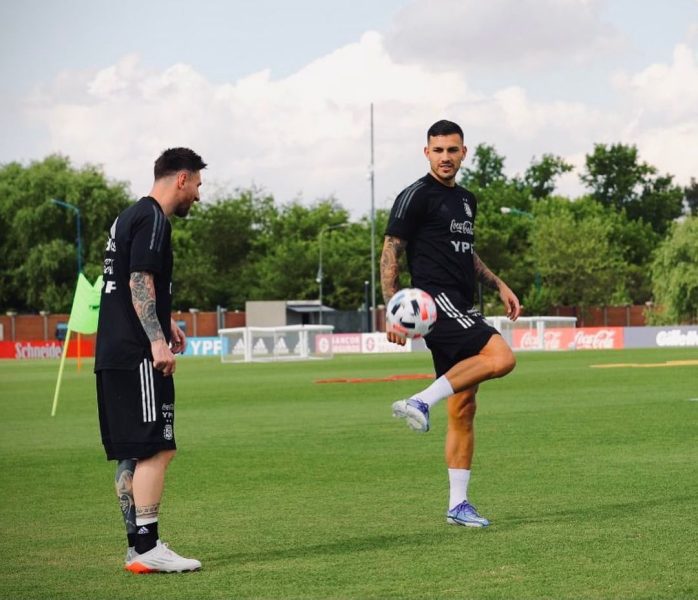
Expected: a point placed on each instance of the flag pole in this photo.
(60, 372)
(79, 353)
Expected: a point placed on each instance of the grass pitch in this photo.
(286, 488)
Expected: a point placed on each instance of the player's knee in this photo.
(165, 456)
(504, 363)
(461, 411)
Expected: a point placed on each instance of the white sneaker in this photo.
(161, 560)
(414, 411)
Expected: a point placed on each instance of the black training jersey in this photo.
(139, 240)
(437, 222)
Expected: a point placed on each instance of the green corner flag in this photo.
(83, 318)
(85, 311)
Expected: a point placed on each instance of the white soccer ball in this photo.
(411, 312)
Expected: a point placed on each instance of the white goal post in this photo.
(291, 342)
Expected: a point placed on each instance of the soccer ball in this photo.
(411, 312)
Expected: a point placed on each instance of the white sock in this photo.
(437, 391)
(458, 479)
(145, 521)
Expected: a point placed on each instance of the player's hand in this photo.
(512, 306)
(178, 341)
(163, 359)
(394, 336)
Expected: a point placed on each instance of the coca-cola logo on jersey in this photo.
(600, 340)
(466, 227)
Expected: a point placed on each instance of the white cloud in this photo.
(669, 91)
(308, 133)
(305, 134)
(664, 101)
(531, 33)
(671, 149)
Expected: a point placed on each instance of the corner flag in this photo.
(84, 316)
(85, 312)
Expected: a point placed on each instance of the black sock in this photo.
(131, 539)
(146, 537)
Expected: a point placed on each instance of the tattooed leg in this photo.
(147, 514)
(123, 482)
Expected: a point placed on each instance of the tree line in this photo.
(632, 239)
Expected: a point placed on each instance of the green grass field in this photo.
(286, 488)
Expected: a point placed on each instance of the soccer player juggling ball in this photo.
(432, 221)
(135, 356)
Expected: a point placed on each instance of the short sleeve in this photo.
(408, 212)
(148, 241)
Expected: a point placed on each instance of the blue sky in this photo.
(276, 94)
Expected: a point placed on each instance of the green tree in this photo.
(618, 179)
(287, 263)
(217, 246)
(675, 275)
(541, 175)
(38, 264)
(501, 240)
(578, 259)
(690, 194)
(487, 169)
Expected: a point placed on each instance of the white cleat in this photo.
(161, 560)
(414, 411)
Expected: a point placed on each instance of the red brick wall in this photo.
(31, 327)
(609, 316)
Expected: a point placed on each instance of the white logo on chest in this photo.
(462, 247)
(464, 227)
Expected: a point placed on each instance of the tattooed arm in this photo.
(143, 298)
(393, 249)
(488, 278)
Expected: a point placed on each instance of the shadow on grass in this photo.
(348, 546)
(596, 512)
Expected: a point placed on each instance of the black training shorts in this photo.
(136, 411)
(460, 331)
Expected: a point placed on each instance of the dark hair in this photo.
(444, 127)
(177, 159)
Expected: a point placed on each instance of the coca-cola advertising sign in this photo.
(568, 338)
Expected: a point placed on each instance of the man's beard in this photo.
(182, 210)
